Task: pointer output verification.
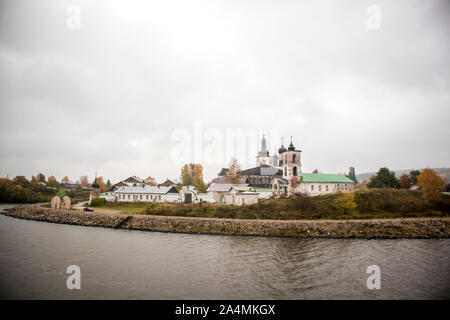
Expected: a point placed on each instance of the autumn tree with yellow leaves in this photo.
(192, 174)
(431, 184)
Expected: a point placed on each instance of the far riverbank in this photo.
(411, 228)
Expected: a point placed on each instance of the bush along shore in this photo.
(423, 228)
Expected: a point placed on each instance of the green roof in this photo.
(325, 177)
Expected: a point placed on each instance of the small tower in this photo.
(291, 165)
(280, 151)
(275, 159)
(351, 174)
(263, 151)
(95, 190)
(263, 157)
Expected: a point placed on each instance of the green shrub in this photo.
(97, 202)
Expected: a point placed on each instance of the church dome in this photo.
(282, 149)
(95, 185)
(291, 147)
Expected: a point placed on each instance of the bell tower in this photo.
(291, 165)
(95, 190)
(263, 157)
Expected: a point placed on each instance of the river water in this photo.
(121, 264)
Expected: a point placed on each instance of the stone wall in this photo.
(367, 229)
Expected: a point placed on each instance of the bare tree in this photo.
(303, 202)
(234, 174)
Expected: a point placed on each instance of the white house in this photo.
(217, 191)
(108, 196)
(315, 184)
(241, 196)
(146, 193)
(189, 194)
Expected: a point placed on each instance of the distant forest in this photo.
(443, 172)
(38, 189)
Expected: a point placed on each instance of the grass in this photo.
(367, 204)
(125, 207)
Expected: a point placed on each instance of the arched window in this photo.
(295, 170)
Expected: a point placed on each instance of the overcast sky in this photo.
(112, 94)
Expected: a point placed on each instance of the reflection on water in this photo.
(120, 264)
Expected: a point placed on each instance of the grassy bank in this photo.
(363, 204)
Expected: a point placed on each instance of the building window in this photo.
(320, 187)
(128, 197)
(312, 187)
(345, 186)
(159, 197)
(337, 186)
(285, 171)
(140, 197)
(326, 188)
(295, 171)
(147, 197)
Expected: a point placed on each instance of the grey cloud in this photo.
(107, 97)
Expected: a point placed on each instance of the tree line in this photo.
(426, 180)
(39, 188)
(22, 190)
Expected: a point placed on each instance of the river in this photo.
(122, 264)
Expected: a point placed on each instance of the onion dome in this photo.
(95, 185)
(291, 147)
(282, 148)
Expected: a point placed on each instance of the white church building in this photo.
(289, 178)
